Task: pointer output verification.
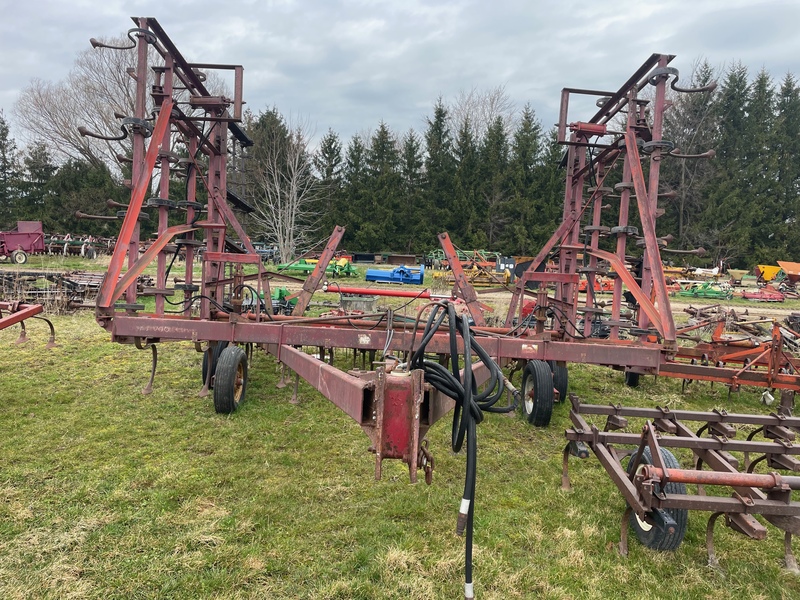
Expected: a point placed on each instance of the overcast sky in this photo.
(348, 64)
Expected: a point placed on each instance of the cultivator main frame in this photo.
(389, 399)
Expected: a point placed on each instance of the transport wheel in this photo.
(18, 257)
(650, 535)
(230, 380)
(631, 379)
(560, 379)
(213, 352)
(537, 393)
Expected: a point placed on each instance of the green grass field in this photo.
(108, 493)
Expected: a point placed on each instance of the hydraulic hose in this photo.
(469, 409)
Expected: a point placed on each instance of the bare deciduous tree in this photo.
(98, 86)
(479, 108)
(285, 191)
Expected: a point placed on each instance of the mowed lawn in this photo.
(108, 493)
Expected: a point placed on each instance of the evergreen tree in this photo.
(725, 225)
(760, 169)
(440, 167)
(81, 186)
(463, 222)
(691, 124)
(548, 207)
(494, 193)
(413, 178)
(382, 204)
(355, 188)
(328, 163)
(527, 208)
(9, 176)
(37, 202)
(787, 149)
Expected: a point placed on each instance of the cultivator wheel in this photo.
(560, 379)
(668, 535)
(537, 393)
(230, 379)
(631, 379)
(212, 354)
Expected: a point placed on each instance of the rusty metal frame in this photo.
(712, 445)
(223, 277)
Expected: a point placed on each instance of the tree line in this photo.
(484, 172)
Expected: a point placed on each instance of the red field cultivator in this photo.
(447, 359)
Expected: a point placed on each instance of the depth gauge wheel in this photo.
(537, 393)
(212, 355)
(560, 378)
(18, 257)
(650, 535)
(631, 379)
(230, 380)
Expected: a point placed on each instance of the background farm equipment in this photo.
(27, 238)
(66, 245)
(401, 274)
(736, 276)
(767, 293)
(476, 275)
(767, 273)
(339, 268)
(57, 290)
(707, 289)
(437, 259)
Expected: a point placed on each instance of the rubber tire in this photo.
(230, 380)
(537, 393)
(214, 350)
(560, 379)
(19, 257)
(631, 379)
(654, 538)
(91, 253)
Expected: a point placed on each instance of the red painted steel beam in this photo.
(601, 352)
(135, 207)
(20, 313)
(335, 288)
(314, 280)
(550, 277)
(344, 390)
(232, 258)
(138, 268)
(630, 282)
(646, 214)
(467, 292)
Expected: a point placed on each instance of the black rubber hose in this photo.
(470, 405)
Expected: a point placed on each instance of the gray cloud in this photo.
(348, 64)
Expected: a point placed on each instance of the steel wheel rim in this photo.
(643, 525)
(527, 395)
(238, 384)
